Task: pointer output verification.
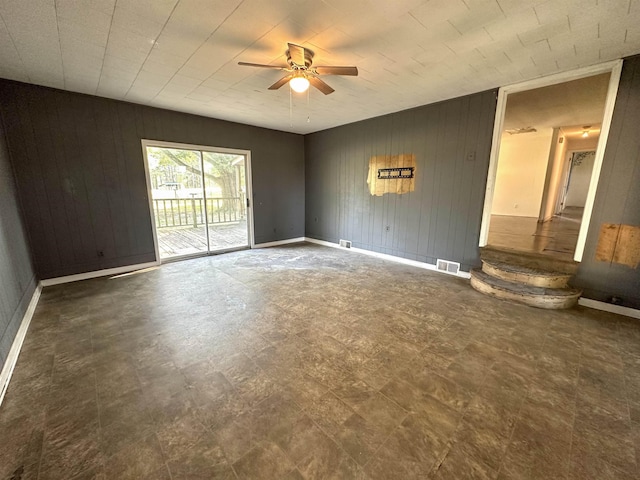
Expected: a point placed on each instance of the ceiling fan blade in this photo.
(281, 82)
(320, 85)
(352, 71)
(260, 65)
(296, 53)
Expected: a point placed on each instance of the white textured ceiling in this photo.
(574, 103)
(183, 54)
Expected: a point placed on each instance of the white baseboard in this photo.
(391, 258)
(12, 358)
(279, 242)
(609, 307)
(324, 243)
(98, 273)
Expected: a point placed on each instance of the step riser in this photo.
(548, 302)
(546, 281)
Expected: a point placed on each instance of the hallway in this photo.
(556, 237)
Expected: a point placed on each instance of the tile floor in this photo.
(309, 362)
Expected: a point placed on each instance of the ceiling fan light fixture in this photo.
(300, 75)
(585, 131)
(299, 84)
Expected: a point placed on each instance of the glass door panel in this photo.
(199, 200)
(177, 197)
(226, 200)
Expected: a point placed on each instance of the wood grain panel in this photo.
(607, 242)
(628, 246)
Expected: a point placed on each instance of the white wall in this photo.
(580, 144)
(522, 168)
(579, 183)
(554, 176)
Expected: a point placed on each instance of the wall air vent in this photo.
(448, 267)
(345, 243)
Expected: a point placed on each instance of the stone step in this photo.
(535, 277)
(534, 260)
(549, 298)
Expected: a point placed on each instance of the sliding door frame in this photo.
(201, 148)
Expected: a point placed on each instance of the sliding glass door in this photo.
(226, 194)
(198, 199)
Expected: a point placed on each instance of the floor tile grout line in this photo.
(451, 441)
(409, 412)
(624, 381)
(330, 437)
(45, 415)
(165, 458)
(575, 411)
(624, 376)
(210, 429)
(525, 398)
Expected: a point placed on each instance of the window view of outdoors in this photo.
(199, 200)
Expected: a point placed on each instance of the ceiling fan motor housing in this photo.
(308, 59)
(299, 70)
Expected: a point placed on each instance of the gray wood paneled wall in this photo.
(17, 277)
(618, 196)
(80, 174)
(80, 178)
(441, 218)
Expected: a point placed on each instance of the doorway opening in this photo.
(548, 145)
(198, 198)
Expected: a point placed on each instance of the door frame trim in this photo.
(615, 69)
(203, 148)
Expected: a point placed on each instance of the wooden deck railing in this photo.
(179, 212)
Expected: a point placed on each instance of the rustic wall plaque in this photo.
(392, 174)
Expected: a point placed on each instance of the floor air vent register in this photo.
(447, 266)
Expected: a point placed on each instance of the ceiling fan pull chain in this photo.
(308, 107)
(290, 108)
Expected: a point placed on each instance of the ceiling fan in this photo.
(301, 73)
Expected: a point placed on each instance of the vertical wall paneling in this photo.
(441, 218)
(17, 277)
(80, 174)
(617, 199)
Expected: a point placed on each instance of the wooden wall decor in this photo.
(619, 244)
(392, 174)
